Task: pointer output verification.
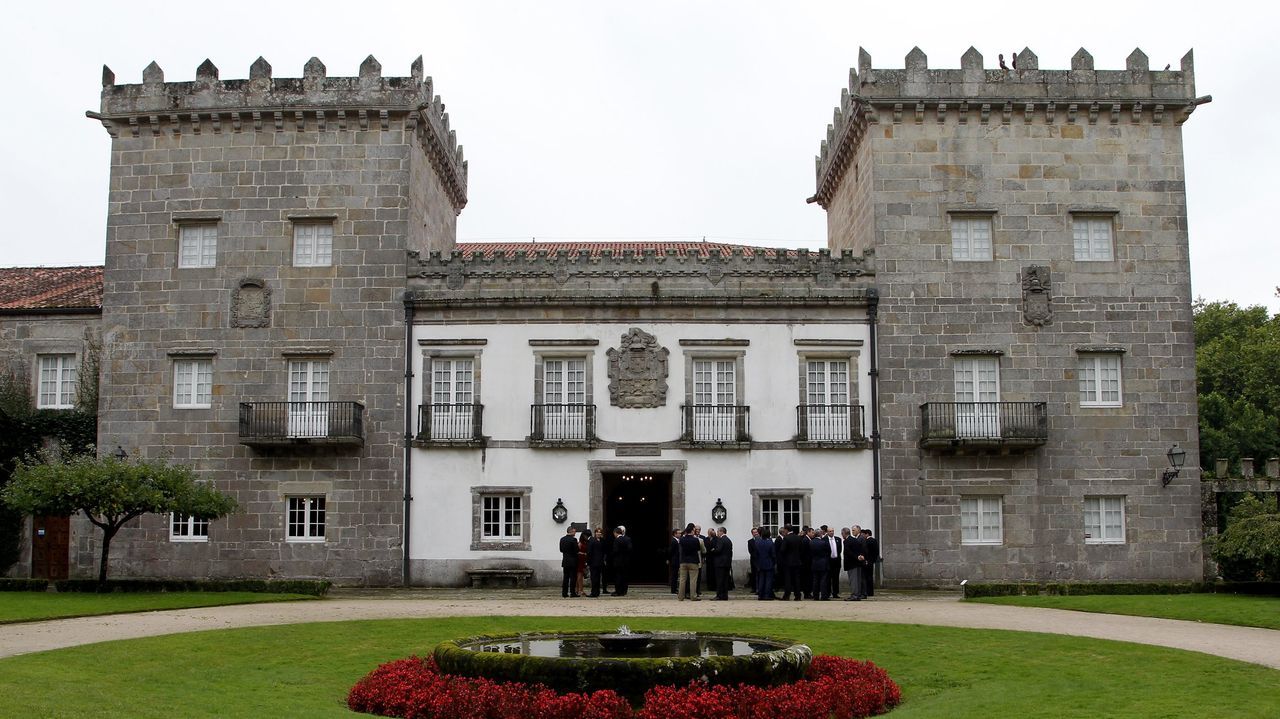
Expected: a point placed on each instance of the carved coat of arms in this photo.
(638, 371)
(1035, 295)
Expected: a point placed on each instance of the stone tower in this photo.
(257, 238)
(1036, 360)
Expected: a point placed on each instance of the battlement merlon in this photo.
(261, 101)
(1022, 91)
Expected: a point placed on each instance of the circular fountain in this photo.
(627, 662)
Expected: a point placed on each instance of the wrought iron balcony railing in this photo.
(562, 422)
(946, 425)
(275, 423)
(450, 422)
(830, 423)
(715, 423)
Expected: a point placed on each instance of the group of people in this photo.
(602, 557)
(805, 563)
(809, 562)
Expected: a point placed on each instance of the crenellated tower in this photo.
(258, 233)
(1036, 356)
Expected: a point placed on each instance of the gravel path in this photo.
(1257, 646)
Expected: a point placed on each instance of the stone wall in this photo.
(1032, 150)
(255, 158)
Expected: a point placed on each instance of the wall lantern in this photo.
(719, 513)
(120, 454)
(558, 512)
(1177, 457)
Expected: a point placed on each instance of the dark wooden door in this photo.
(50, 545)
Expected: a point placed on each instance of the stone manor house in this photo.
(987, 364)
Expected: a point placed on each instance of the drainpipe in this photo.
(873, 310)
(408, 428)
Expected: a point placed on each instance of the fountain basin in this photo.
(579, 662)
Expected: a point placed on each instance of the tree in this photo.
(1238, 381)
(111, 492)
(1249, 550)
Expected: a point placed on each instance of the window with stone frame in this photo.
(829, 410)
(971, 237)
(1092, 236)
(563, 385)
(198, 245)
(1104, 520)
(193, 383)
(185, 528)
(56, 388)
(1100, 380)
(305, 519)
(715, 399)
(981, 520)
(312, 243)
(775, 508)
(501, 518)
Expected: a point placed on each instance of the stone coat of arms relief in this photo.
(638, 371)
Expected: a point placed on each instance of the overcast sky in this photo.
(645, 120)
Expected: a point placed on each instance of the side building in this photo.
(1037, 367)
(252, 322)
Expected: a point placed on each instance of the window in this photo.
(502, 518)
(312, 244)
(715, 400)
(1092, 237)
(564, 398)
(185, 528)
(970, 239)
(193, 384)
(977, 397)
(981, 520)
(308, 398)
(778, 512)
(305, 520)
(452, 413)
(198, 245)
(57, 382)
(1104, 520)
(1100, 380)
(827, 413)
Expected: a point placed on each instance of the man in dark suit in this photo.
(621, 560)
(709, 569)
(835, 550)
(751, 555)
(766, 563)
(853, 558)
(818, 563)
(606, 577)
(673, 560)
(569, 561)
(806, 561)
(791, 561)
(723, 562)
(595, 559)
(872, 553)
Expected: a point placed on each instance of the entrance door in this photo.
(641, 501)
(50, 542)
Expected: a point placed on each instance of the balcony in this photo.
(273, 424)
(450, 425)
(983, 426)
(562, 425)
(716, 425)
(830, 425)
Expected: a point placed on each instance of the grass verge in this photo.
(305, 670)
(1239, 609)
(35, 606)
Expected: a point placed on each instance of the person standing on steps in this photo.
(568, 562)
(723, 563)
(820, 589)
(853, 558)
(595, 560)
(621, 560)
(766, 565)
(872, 554)
(690, 555)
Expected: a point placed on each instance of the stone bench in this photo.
(514, 577)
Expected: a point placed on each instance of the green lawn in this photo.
(1240, 609)
(34, 606)
(306, 670)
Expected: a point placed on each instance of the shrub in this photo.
(313, 587)
(23, 585)
(835, 687)
(1249, 549)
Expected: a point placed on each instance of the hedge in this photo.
(23, 585)
(1024, 589)
(313, 587)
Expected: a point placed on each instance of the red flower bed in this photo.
(835, 688)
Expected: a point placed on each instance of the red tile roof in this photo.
(594, 249)
(48, 288)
